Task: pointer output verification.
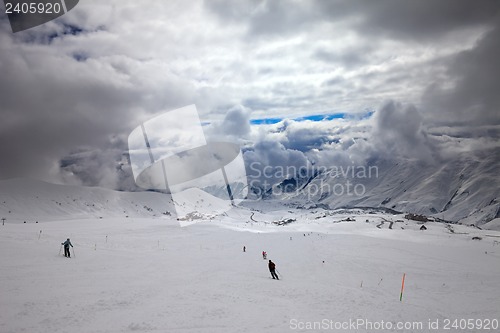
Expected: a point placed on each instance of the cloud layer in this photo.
(73, 89)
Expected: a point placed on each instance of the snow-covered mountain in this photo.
(465, 189)
(32, 200)
(36, 200)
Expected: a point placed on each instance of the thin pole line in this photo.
(147, 144)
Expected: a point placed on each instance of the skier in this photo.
(244, 249)
(272, 269)
(67, 244)
(264, 255)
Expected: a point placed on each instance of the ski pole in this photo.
(279, 273)
(60, 250)
(74, 253)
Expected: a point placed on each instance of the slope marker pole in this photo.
(402, 287)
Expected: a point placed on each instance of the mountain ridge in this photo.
(465, 189)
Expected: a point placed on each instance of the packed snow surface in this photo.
(135, 269)
(151, 275)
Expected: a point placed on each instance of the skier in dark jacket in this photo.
(272, 269)
(67, 244)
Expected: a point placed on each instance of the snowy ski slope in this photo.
(145, 273)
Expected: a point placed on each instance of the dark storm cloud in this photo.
(468, 92)
(49, 105)
(52, 104)
(400, 19)
(108, 167)
(473, 97)
(398, 131)
(267, 154)
(420, 20)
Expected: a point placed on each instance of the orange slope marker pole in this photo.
(402, 288)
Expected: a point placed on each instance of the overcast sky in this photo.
(407, 77)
